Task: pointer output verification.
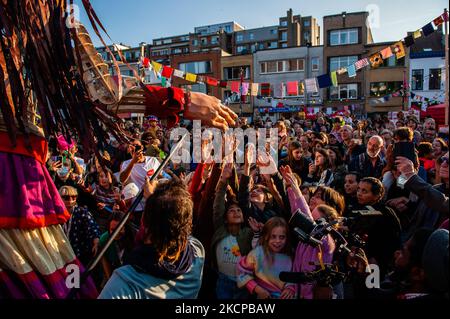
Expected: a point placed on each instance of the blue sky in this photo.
(134, 21)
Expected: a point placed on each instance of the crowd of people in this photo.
(228, 229)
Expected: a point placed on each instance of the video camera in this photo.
(359, 221)
(329, 276)
(311, 232)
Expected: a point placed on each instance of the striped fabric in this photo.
(361, 63)
(34, 264)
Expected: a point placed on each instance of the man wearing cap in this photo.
(153, 122)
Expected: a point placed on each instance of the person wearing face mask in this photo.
(370, 163)
(81, 228)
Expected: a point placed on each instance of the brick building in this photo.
(200, 63)
(345, 38)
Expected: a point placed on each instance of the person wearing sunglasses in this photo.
(81, 228)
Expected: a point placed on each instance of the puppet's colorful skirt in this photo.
(36, 259)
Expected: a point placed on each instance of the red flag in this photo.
(235, 87)
(438, 21)
(146, 62)
(445, 16)
(167, 72)
(292, 88)
(223, 84)
(265, 89)
(212, 81)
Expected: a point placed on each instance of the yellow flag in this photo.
(334, 78)
(417, 34)
(157, 66)
(399, 49)
(191, 77)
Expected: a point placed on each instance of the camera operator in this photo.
(307, 256)
(420, 268)
(383, 232)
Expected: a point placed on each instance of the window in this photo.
(159, 42)
(344, 36)
(273, 45)
(393, 61)
(228, 29)
(307, 36)
(417, 80)
(281, 66)
(215, 40)
(284, 45)
(239, 38)
(284, 36)
(315, 64)
(185, 38)
(161, 52)
(240, 49)
(263, 68)
(252, 36)
(273, 31)
(198, 87)
(185, 50)
(167, 41)
(435, 79)
(195, 42)
(284, 23)
(384, 88)
(233, 73)
(176, 51)
(196, 67)
(306, 23)
(204, 41)
(261, 46)
(341, 61)
(344, 91)
(271, 66)
(253, 48)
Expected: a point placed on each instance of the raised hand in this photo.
(405, 166)
(255, 225)
(228, 147)
(288, 176)
(227, 171)
(266, 164)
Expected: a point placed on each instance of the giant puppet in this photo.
(53, 80)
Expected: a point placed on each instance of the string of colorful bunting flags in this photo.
(296, 88)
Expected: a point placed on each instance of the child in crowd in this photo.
(259, 271)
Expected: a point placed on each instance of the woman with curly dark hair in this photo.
(169, 263)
